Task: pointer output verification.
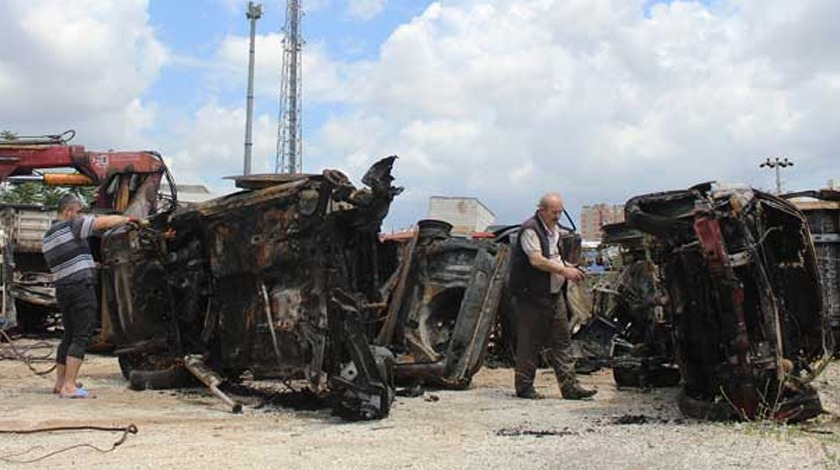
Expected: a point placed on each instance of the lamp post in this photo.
(253, 13)
(777, 163)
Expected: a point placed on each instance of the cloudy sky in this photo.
(497, 99)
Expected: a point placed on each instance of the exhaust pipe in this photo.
(197, 367)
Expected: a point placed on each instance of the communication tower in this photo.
(289, 143)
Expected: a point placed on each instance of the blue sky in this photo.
(344, 37)
(497, 99)
(194, 29)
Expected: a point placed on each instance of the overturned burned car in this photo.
(289, 279)
(443, 299)
(629, 310)
(740, 296)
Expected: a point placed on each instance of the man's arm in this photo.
(538, 261)
(542, 263)
(104, 222)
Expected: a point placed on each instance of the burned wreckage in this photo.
(721, 283)
(289, 279)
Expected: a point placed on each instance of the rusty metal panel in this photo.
(281, 280)
(824, 223)
(743, 299)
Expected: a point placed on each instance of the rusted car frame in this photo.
(443, 307)
(289, 280)
(633, 307)
(822, 211)
(743, 298)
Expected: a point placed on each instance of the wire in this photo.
(126, 430)
(766, 233)
(24, 356)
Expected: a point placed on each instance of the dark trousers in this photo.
(79, 307)
(542, 326)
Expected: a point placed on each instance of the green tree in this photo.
(8, 135)
(50, 195)
(36, 193)
(86, 193)
(26, 193)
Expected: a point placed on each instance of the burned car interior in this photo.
(742, 298)
(288, 279)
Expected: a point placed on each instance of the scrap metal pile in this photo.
(725, 286)
(289, 280)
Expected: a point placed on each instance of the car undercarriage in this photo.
(290, 280)
(739, 304)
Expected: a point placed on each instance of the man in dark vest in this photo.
(68, 255)
(538, 283)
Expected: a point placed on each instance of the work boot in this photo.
(529, 394)
(573, 391)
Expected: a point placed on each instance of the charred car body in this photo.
(822, 210)
(444, 297)
(630, 311)
(741, 301)
(289, 279)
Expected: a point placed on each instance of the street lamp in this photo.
(253, 13)
(777, 163)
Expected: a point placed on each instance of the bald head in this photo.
(550, 199)
(550, 207)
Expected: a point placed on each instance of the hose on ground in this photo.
(13, 458)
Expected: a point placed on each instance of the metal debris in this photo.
(736, 285)
(289, 280)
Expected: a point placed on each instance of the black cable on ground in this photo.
(25, 357)
(126, 430)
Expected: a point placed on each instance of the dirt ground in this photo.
(482, 427)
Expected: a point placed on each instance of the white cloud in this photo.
(83, 64)
(594, 98)
(365, 9)
(496, 99)
(322, 80)
(212, 144)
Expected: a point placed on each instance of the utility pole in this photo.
(777, 163)
(289, 142)
(253, 13)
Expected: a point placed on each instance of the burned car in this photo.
(741, 297)
(629, 313)
(289, 279)
(443, 303)
(822, 211)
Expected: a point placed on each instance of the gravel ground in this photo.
(483, 427)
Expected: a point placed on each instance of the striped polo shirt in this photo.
(67, 252)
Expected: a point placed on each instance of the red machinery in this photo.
(127, 182)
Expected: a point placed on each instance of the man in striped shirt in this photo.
(68, 255)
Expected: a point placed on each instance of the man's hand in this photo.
(137, 221)
(573, 273)
(568, 271)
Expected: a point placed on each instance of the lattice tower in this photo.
(289, 157)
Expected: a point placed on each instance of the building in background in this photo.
(466, 214)
(593, 217)
(190, 193)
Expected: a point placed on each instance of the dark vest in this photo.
(526, 280)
